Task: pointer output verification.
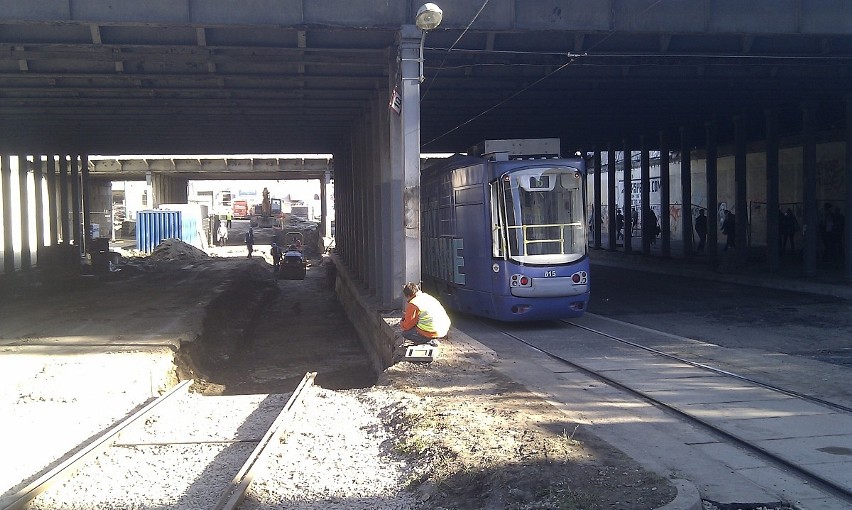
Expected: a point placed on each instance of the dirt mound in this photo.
(171, 250)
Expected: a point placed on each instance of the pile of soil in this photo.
(170, 250)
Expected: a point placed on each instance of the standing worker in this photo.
(250, 242)
(230, 217)
(222, 234)
(425, 320)
(276, 257)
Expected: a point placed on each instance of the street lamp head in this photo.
(429, 16)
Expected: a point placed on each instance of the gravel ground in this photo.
(331, 463)
(324, 462)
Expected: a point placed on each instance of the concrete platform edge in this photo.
(687, 497)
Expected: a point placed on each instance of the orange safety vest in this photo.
(427, 314)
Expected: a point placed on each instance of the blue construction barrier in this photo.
(154, 226)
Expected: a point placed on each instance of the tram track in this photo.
(232, 480)
(690, 412)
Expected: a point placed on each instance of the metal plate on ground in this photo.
(421, 353)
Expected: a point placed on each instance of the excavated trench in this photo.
(261, 335)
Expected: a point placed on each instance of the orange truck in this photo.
(241, 209)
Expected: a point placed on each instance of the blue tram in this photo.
(504, 237)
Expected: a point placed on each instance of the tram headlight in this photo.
(580, 278)
(520, 280)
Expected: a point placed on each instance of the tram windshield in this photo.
(539, 213)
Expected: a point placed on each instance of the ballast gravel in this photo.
(332, 460)
(337, 453)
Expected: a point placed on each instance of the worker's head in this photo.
(410, 289)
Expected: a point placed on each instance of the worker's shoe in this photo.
(433, 342)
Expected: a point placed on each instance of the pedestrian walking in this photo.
(277, 253)
(619, 224)
(222, 235)
(788, 226)
(701, 230)
(250, 242)
(729, 228)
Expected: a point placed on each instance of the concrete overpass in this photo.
(84, 77)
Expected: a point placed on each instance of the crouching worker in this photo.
(425, 320)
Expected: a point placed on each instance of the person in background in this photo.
(250, 242)
(425, 320)
(650, 225)
(276, 257)
(222, 234)
(729, 228)
(701, 230)
(619, 225)
(788, 227)
(230, 217)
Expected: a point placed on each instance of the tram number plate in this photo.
(548, 274)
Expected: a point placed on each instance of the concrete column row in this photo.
(377, 182)
(811, 212)
(47, 212)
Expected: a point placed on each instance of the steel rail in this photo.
(792, 393)
(835, 489)
(67, 468)
(234, 494)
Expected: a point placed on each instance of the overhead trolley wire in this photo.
(572, 58)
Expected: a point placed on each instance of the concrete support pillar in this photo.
(596, 214)
(409, 50)
(809, 189)
(847, 235)
(87, 202)
(352, 212)
(382, 195)
(325, 218)
(740, 191)
(75, 201)
(645, 192)
(686, 192)
(773, 240)
(395, 190)
(24, 194)
(52, 207)
(665, 196)
(613, 208)
(6, 185)
(38, 190)
(342, 189)
(628, 199)
(712, 248)
(371, 208)
(357, 233)
(64, 204)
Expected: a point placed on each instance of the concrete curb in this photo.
(687, 497)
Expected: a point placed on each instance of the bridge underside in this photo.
(85, 77)
(196, 77)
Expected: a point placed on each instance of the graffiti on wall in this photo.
(830, 177)
(675, 215)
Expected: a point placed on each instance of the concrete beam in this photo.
(709, 16)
